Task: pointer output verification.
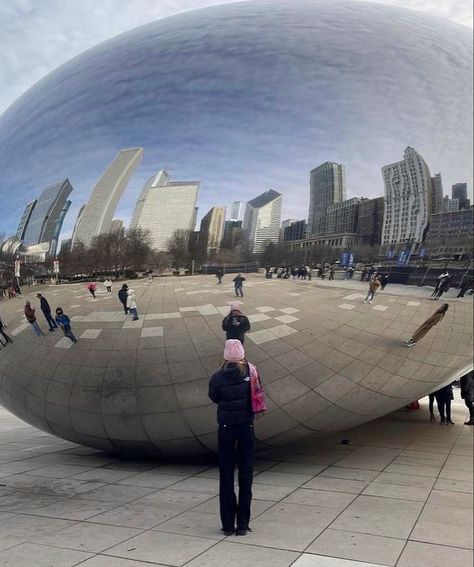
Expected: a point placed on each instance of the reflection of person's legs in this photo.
(441, 408)
(448, 411)
(245, 457)
(470, 406)
(431, 407)
(227, 497)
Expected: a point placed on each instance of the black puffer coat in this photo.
(230, 390)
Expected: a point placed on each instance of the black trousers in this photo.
(5, 336)
(49, 319)
(444, 407)
(236, 446)
(470, 406)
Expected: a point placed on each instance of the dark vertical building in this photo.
(296, 231)
(436, 194)
(459, 191)
(327, 187)
(370, 220)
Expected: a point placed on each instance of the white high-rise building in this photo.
(408, 196)
(96, 218)
(262, 220)
(165, 206)
(236, 210)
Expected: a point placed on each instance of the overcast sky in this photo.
(38, 36)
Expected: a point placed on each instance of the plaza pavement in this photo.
(399, 494)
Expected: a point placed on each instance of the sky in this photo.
(179, 110)
(38, 36)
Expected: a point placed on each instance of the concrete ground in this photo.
(399, 494)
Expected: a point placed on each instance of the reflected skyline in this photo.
(246, 98)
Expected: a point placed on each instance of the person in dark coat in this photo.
(465, 285)
(219, 275)
(122, 295)
(229, 388)
(443, 399)
(4, 335)
(46, 309)
(467, 394)
(235, 324)
(239, 285)
(31, 318)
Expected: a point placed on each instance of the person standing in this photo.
(46, 309)
(443, 399)
(4, 335)
(437, 316)
(443, 287)
(374, 285)
(122, 295)
(384, 281)
(439, 281)
(65, 323)
(431, 398)
(332, 271)
(229, 388)
(467, 394)
(92, 287)
(219, 275)
(235, 324)
(132, 304)
(239, 285)
(31, 318)
(108, 285)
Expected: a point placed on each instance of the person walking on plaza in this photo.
(443, 287)
(465, 285)
(235, 324)
(132, 305)
(374, 285)
(467, 394)
(439, 281)
(4, 335)
(65, 323)
(31, 318)
(122, 295)
(443, 399)
(92, 287)
(239, 285)
(230, 389)
(219, 275)
(437, 316)
(383, 281)
(332, 271)
(46, 309)
(108, 285)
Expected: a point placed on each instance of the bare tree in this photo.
(178, 248)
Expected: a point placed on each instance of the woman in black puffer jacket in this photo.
(229, 388)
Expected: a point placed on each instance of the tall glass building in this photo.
(262, 220)
(327, 187)
(165, 206)
(96, 218)
(46, 217)
(212, 229)
(408, 195)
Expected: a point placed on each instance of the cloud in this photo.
(37, 36)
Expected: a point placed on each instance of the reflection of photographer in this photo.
(235, 324)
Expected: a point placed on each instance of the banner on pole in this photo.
(56, 266)
(17, 268)
(404, 257)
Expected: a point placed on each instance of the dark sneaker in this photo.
(227, 532)
(470, 422)
(242, 531)
(450, 423)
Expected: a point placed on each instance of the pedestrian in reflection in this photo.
(108, 285)
(122, 295)
(332, 271)
(4, 335)
(374, 285)
(235, 324)
(465, 285)
(46, 309)
(443, 287)
(431, 398)
(229, 388)
(239, 285)
(383, 281)
(437, 316)
(219, 275)
(443, 399)
(65, 323)
(92, 287)
(132, 305)
(439, 281)
(467, 394)
(31, 318)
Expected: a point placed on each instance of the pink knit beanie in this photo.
(235, 307)
(234, 351)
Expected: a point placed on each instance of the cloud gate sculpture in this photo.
(254, 91)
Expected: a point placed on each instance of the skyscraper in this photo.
(236, 211)
(99, 210)
(407, 199)
(165, 206)
(436, 194)
(262, 220)
(47, 215)
(76, 224)
(116, 227)
(370, 220)
(450, 205)
(212, 229)
(327, 187)
(57, 230)
(25, 219)
(459, 191)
